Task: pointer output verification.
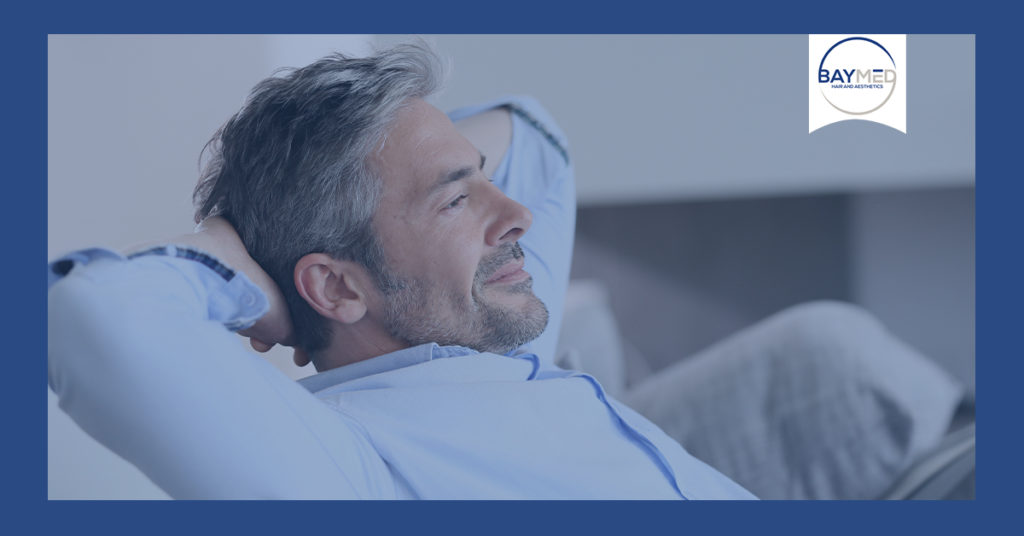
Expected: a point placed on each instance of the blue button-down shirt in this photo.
(141, 356)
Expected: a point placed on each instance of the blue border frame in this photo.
(999, 264)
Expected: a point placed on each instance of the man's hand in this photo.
(217, 237)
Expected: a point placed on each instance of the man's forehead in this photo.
(422, 144)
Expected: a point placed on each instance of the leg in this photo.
(817, 401)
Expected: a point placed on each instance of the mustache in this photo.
(491, 264)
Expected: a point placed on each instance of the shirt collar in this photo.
(385, 363)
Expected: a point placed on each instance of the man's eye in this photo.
(457, 201)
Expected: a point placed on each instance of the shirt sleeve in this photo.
(536, 171)
(141, 356)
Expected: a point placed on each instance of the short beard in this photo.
(415, 315)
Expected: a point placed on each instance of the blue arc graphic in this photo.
(873, 42)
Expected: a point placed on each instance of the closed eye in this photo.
(456, 202)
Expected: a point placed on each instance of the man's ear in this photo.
(335, 288)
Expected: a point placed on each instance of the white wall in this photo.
(913, 267)
(656, 117)
(128, 116)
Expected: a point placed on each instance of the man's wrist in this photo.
(215, 238)
(220, 236)
(191, 253)
(214, 243)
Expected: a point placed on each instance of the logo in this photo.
(857, 77)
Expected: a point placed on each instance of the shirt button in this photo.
(248, 300)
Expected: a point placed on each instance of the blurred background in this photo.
(704, 204)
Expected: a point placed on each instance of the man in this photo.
(420, 265)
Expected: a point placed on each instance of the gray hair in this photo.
(292, 171)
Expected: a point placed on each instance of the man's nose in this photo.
(510, 221)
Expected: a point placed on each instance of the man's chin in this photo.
(511, 325)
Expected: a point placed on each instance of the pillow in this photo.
(589, 338)
(819, 401)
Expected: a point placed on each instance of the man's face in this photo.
(450, 239)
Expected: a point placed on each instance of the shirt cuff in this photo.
(231, 298)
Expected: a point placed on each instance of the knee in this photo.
(827, 334)
(828, 320)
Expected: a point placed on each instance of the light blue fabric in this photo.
(140, 358)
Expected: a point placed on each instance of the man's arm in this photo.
(218, 238)
(528, 159)
(141, 357)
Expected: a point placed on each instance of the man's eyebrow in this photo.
(458, 174)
